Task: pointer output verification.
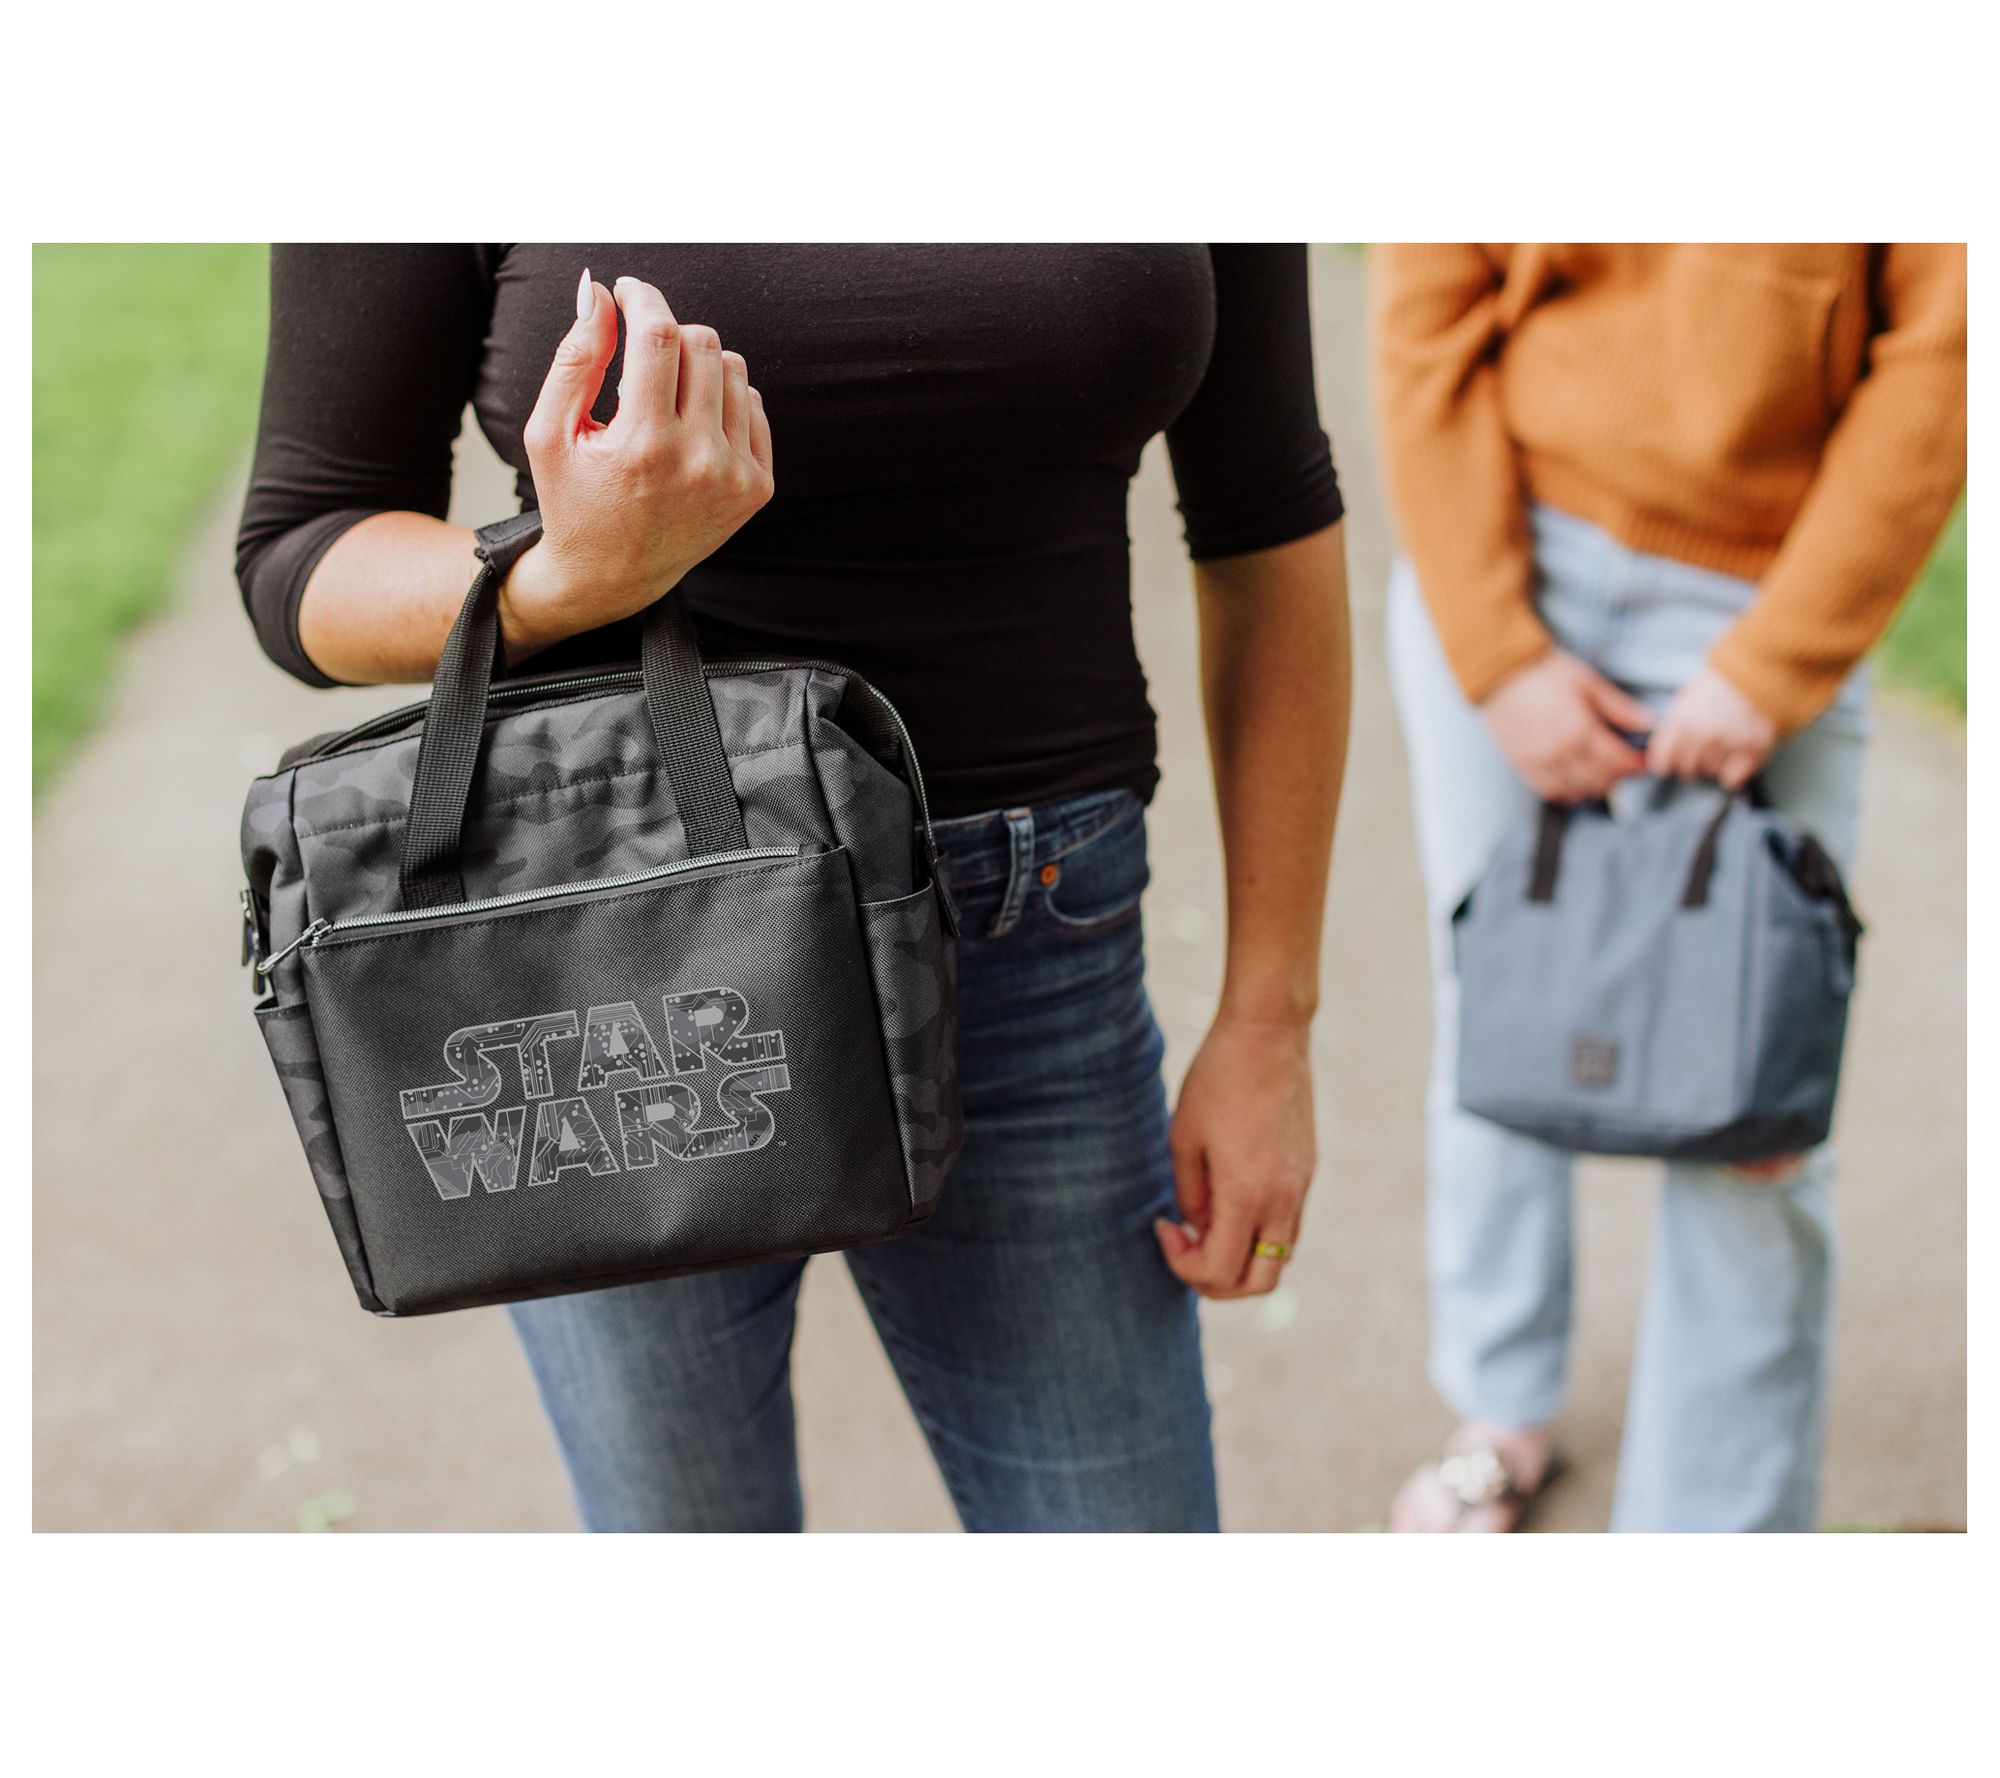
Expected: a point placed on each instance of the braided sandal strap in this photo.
(1479, 1476)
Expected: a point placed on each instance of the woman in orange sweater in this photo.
(1656, 504)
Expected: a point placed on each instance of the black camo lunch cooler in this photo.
(574, 981)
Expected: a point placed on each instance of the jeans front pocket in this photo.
(1097, 885)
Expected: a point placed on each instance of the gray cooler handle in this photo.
(1701, 868)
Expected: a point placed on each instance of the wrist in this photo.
(546, 599)
(1514, 656)
(531, 600)
(1277, 1012)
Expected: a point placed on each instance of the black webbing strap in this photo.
(686, 732)
(677, 702)
(1548, 852)
(502, 544)
(1702, 871)
(453, 724)
(1549, 844)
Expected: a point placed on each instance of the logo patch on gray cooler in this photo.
(635, 1104)
(1593, 1061)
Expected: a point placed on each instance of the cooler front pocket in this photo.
(620, 1082)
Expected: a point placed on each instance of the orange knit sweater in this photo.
(1793, 415)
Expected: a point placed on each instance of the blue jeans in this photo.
(1728, 1392)
(1051, 1358)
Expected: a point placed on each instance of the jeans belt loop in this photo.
(1020, 870)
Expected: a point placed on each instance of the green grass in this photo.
(1925, 647)
(146, 368)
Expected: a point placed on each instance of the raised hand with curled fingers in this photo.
(629, 506)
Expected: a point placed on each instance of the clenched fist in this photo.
(628, 508)
(1558, 721)
(1711, 730)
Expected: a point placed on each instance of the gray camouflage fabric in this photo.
(571, 789)
(288, 1035)
(916, 986)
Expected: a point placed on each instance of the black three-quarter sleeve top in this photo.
(954, 431)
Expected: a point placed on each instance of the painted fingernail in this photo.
(586, 297)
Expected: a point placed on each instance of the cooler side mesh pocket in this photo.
(916, 989)
(1802, 971)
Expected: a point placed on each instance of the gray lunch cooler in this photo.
(1669, 981)
(577, 980)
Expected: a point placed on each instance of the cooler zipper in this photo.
(391, 719)
(509, 693)
(322, 928)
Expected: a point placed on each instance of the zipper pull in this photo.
(309, 936)
(947, 908)
(251, 939)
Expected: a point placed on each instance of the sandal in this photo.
(1472, 1487)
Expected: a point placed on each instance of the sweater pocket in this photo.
(1753, 339)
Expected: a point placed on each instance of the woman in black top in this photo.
(925, 481)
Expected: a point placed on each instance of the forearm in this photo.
(1460, 511)
(1891, 472)
(384, 597)
(1837, 582)
(1276, 675)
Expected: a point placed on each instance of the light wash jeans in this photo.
(1051, 1358)
(1728, 1393)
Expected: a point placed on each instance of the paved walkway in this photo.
(200, 1364)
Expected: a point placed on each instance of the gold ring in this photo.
(1273, 1250)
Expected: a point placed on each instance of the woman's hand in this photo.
(1557, 721)
(628, 508)
(1711, 730)
(1244, 1153)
